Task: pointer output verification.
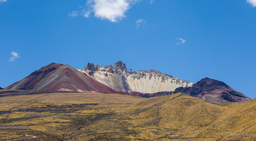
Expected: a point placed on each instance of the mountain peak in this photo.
(120, 65)
(119, 78)
(52, 65)
(91, 67)
(47, 68)
(215, 91)
(59, 77)
(211, 82)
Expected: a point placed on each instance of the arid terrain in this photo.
(117, 79)
(31, 115)
(59, 102)
(127, 70)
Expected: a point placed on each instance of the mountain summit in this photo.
(59, 77)
(120, 79)
(213, 91)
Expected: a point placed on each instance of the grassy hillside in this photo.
(95, 116)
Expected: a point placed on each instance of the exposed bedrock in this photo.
(119, 78)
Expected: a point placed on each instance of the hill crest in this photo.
(59, 77)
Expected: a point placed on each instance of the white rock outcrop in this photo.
(120, 79)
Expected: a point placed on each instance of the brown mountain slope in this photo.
(59, 77)
(213, 91)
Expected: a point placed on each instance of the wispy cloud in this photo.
(2, 1)
(86, 14)
(140, 23)
(112, 10)
(252, 2)
(15, 56)
(151, 1)
(73, 14)
(181, 41)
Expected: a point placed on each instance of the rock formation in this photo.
(120, 79)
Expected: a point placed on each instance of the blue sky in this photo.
(188, 39)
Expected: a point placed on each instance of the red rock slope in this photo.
(59, 77)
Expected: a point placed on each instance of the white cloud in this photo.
(85, 13)
(112, 10)
(2, 0)
(151, 1)
(252, 2)
(181, 41)
(15, 55)
(140, 23)
(74, 14)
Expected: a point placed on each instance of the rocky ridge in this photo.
(120, 79)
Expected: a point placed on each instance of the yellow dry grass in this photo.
(53, 116)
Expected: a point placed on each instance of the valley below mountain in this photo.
(31, 115)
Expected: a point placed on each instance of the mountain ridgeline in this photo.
(117, 79)
(120, 79)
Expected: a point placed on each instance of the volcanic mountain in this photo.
(59, 77)
(213, 91)
(120, 79)
(154, 83)
(117, 79)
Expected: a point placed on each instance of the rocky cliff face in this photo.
(120, 79)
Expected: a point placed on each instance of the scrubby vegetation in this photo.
(95, 116)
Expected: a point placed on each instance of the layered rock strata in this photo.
(120, 79)
(59, 77)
